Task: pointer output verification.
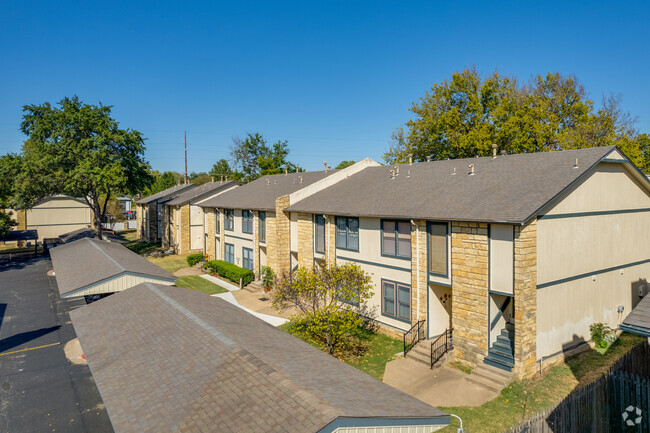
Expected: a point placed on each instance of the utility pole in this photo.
(185, 140)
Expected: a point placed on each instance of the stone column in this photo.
(305, 240)
(419, 293)
(138, 228)
(469, 267)
(256, 244)
(278, 238)
(222, 234)
(330, 238)
(525, 265)
(166, 241)
(184, 241)
(210, 221)
(152, 222)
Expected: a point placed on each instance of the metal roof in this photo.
(200, 364)
(638, 321)
(167, 194)
(261, 193)
(508, 188)
(206, 188)
(87, 261)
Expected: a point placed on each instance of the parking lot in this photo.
(40, 390)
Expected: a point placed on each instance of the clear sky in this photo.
(333, 78)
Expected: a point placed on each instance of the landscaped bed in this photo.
(195, 282)
(527, 397)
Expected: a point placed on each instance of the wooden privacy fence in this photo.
(617, 402)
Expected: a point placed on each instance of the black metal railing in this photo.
(441, 345)
(413, 335)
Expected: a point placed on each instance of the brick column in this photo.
(256, 243)
(152, 222)
(166, 241)
(305, 240)
(278, 238)
(138, 215)
(211, 220)
(421, 292)
(222, 234)
(469, 267)
(330, 238)
(525, 299)
(184, 241)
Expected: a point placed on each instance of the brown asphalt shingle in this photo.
(261, 193)
(509, 188)
(200, 364)
(88, 261)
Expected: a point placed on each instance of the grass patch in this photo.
(465, 368)
(141, 247)
(195, 282)
(379, 350)
(171, 262)
(526, 397)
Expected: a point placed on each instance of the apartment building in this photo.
(150, 212)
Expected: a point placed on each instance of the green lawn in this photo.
(527, 397)
(381, 349)
(195, 282)
(171, 263)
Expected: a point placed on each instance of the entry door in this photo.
(196, 228)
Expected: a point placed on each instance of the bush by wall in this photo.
(230, 271)
(193, 259)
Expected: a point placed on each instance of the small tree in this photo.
(328, 297)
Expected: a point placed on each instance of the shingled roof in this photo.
(197, 363)
(194, 193)
(638, 321)
(261, 193)
(508, 188)
(87, 262)
(167, 194)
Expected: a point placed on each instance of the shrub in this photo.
(599, 334)
(230, 271)
(193, 259)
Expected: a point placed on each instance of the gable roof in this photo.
(203, 365)
(88, 261)
(167, 194)
(638, 321)
(508, 189)
(191, 194)
(261, 193)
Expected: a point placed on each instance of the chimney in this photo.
(325, 166)
(471, 169)
(494, 150)
(410, 159)
(428, 158)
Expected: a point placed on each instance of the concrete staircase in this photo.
(492, 378)
(421, 353)
(254, 286)
(502, 353)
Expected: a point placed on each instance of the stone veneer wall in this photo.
(183, 244)
(210, 220)
(256, 243)
(222, 243)
(330, 238)
(166, 240)
(419, 293)
(469, 268)
(152, 222)
(139, 218)
(305, 240)
(525, 264)
(278, 237)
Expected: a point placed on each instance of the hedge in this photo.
(230, 271)
(193, 259)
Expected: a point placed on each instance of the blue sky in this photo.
(332, 78)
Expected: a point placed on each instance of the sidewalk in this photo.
(219, 282)
(273, 320)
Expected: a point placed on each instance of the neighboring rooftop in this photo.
(87, 262)
(638, 321)
(194, 193)
(200, 364)
(508, 188)
(261, 193)
(20, 235)
(167, 194)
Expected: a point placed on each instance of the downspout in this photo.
(417, 265)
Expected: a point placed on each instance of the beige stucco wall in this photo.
(58, 215)
(237, 238)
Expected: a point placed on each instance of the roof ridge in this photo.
(115, 262)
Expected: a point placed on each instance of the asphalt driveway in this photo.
(40, 390)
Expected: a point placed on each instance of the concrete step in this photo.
(490, 377)
(254, 286)
(498, 363)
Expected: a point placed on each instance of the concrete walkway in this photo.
(440, 386)
(219, 282)
(273, 320)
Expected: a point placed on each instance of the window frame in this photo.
(317, 226)
(247, 221)
(229, 220)
(429, 271)
(217, 223)
(396, 302)
(347, 233)
(244, 259)
(225, 252)
(396, 255)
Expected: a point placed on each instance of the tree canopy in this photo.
(344, 164)
(79, 150)
(254, 158)
(10, 165)
(463, 117)
(222, 169)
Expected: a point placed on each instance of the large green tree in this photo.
(463, 117)
(10, 167)
(222, 169)
(79, 150)
(255, 158)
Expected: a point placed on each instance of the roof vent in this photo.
(297, 169)
(268, 181)
(429, 158)
(494, 150)
(453, 172)
(575, 164)
(397, 170)
(392, 174)
(408, 173)
(300, 177)
(212, 179)
(471, 170)
(286, 171)
(410, 159)
(325, 162)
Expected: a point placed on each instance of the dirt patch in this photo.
(74, 353)
(188, 271)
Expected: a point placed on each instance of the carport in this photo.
(92, 267)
